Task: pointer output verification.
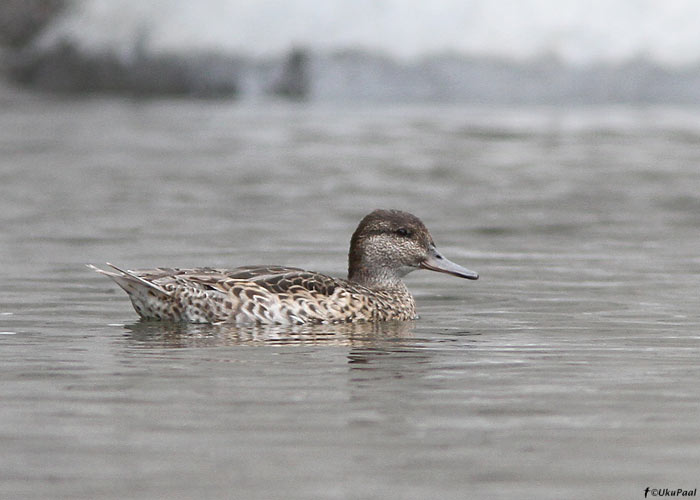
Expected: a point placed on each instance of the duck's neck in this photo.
(375, 279)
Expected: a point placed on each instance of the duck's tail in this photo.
(130, 281)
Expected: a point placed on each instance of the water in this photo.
(569, 370)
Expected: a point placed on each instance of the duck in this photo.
(385, 247)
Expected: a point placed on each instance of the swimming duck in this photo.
(387, 245)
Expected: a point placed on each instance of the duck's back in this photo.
(257, 294)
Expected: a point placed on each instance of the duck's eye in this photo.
(406, 233)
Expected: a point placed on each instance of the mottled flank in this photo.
(386, 245)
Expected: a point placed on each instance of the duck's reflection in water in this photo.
(148, 334)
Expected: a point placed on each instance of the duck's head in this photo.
(388, 244)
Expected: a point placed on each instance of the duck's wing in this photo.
(199, 277)
(209, 276)
(293, 296)
(274, 294)
(268, 294)
(297, 280)
(260, 272)
(273, 279)
(238, 273)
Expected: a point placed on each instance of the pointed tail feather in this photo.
(128, 280)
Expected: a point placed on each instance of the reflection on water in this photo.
(149, 334)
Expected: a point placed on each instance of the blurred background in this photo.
(476, 51)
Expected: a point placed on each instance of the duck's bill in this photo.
(437, 262)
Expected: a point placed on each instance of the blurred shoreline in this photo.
(65, 66)
(352, 75)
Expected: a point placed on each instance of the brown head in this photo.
(388, 244)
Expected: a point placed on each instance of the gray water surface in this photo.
(569, 370)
